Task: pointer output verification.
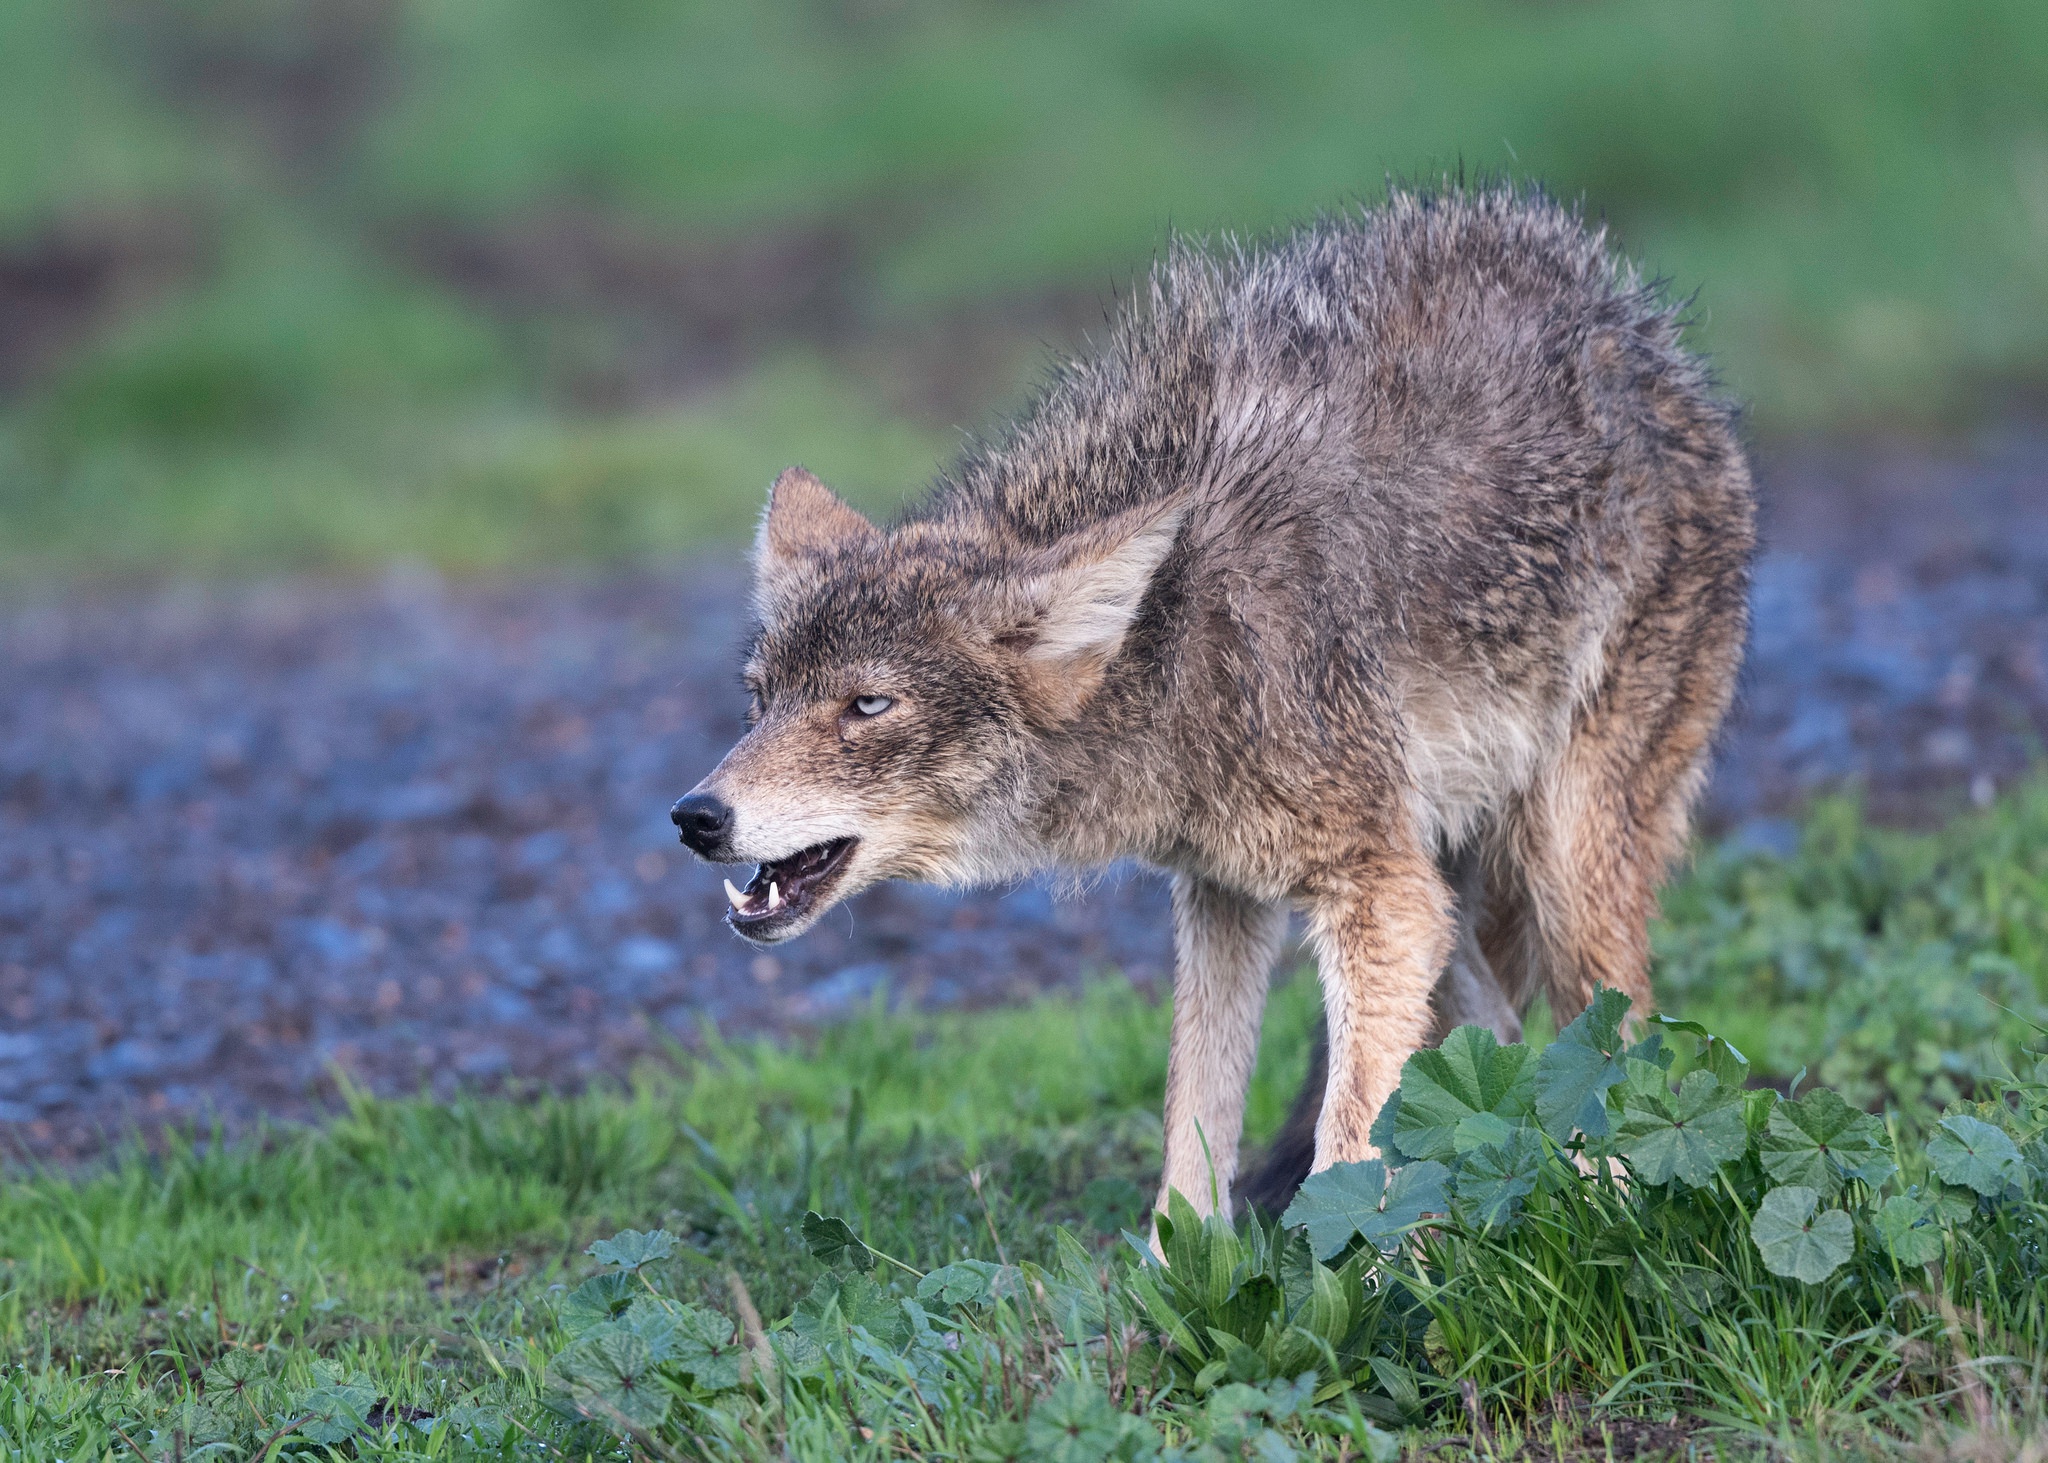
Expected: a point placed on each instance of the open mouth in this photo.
(782, 893)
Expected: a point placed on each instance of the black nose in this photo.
(703, 821)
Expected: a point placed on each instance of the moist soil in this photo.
(255, 838)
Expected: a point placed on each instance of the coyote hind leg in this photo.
(1578, 861)
(1225, 944)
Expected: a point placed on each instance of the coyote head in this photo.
(900, 682)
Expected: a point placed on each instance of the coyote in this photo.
(1394, 573)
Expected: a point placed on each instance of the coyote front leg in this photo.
(1382, 933)
(1224, 947)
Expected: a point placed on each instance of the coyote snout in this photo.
(1395, 576)
(805, 860)
(786, 893)
(704, 823)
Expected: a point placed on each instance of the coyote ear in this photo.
(804, 519)
(1078, 611)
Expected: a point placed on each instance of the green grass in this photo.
(429, 1260)
(1859, 192)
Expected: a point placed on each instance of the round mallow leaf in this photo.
(1971, 1152)
(1797, 1238)
(1906, 1224)
(1820, 1140)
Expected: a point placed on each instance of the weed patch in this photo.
(925, 1237)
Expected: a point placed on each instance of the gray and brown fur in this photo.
(1393, 573)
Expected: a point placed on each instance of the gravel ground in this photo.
(417, 833)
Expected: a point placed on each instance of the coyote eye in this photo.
(872, 705)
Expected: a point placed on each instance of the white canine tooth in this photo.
(774, 895)
(739, 900)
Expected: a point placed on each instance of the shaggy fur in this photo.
(1394, 573)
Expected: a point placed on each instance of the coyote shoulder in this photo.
(1393, 573)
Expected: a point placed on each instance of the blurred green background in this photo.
(325, 282)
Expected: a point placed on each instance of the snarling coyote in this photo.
(1394, 573)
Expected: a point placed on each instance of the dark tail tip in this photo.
(1270, 1186)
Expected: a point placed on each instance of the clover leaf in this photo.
(629, 1249)
(1465, 1094)
(1820, 1140)
(833, 1241)
(1970, 1152)
(1796, 1241)
(1685, 1135)
(1349, 1199)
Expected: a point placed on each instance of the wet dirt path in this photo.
(418, 833)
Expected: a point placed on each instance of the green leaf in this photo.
(1721, 1057)
(962, 1283)
(1072, 1289)
(1820, 1140)
(2036, 1155)
(1165, 1317)
(1416, 1190)
(704, 1347)
(1758, 1104)
(609, 1376)
(1797, 1242)
(1950, 1203)
(833, 1241)
(1381, 1133)
(1903, 1224)
(1201, 1252)
(335, 1411)
(486, 1426)
(838, 1302)
(595, 1302)
(1574, 1071)
(1970, 1152)
(233, 1370)
(1073, 1423)
(1465, 1094)
(865, 1304)
(629, 1249)
(1349, 1199)
(209, 1433)
(1687, 1135)
(1327, 1310)
(1332, 1203)
(1399, 1383)
(1495, 1179)
(1695, 1291)
(655, 1321)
